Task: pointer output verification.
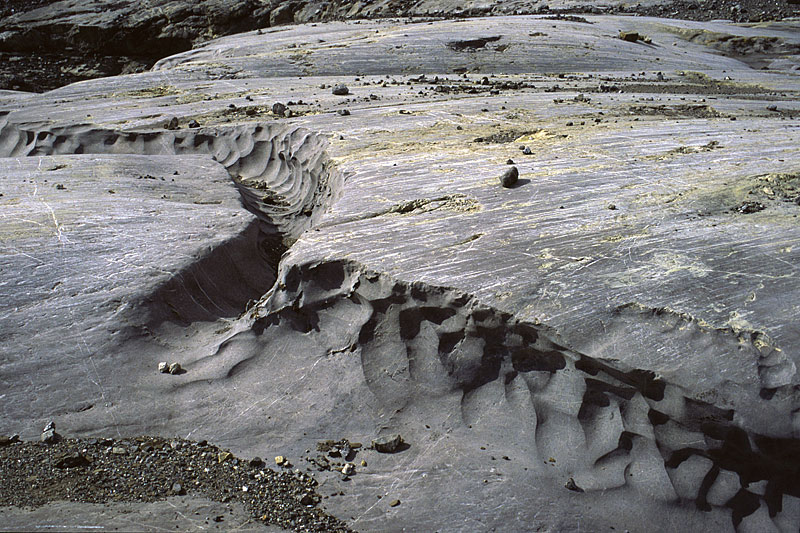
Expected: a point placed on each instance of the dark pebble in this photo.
(571, 485)
(509, 177)
(388, 444)
(278, 109)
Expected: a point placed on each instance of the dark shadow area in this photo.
(218, 285)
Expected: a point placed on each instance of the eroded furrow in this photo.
(603, 426)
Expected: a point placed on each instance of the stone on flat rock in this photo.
(388, 444)
(571, 485)
(630, 36)
(509, 177)
(50, 436)
(278, 109)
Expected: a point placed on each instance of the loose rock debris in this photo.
(147, 469)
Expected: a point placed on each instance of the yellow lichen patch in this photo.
(540, 135)
(619, 237)
(460, 203)
(150, 92)
(191, 98)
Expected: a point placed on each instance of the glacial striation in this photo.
(608, 342)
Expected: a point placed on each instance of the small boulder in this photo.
(340, 90)
(163, 367)
(278, 109)
(630, 36)
(175, 368)
(389, 444)
(49, 435)
(510, 177)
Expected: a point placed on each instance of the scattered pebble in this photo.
(746, 208)
(394, 503)
(571, 485)
(84, 470)
(344, 112)
(223, 456)
(163, 367)
(194, 124)
(72, 460)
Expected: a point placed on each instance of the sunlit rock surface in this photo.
(612, 342)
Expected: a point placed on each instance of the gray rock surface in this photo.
(519, 339)
(179, 513)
